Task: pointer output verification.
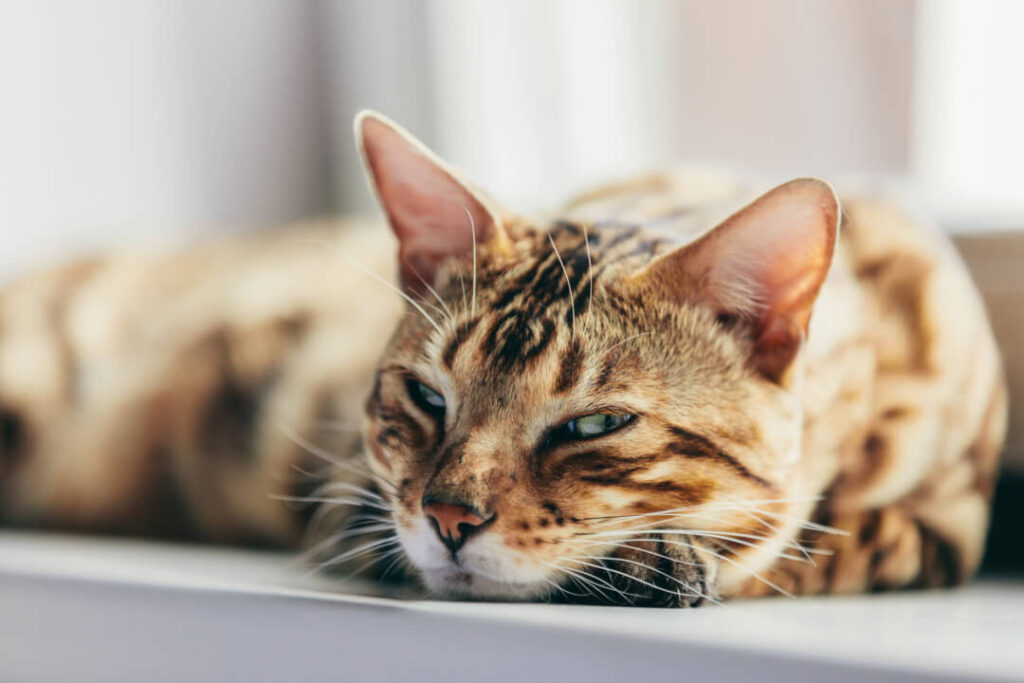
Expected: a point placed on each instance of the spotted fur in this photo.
(216, 393)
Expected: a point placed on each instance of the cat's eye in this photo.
(597, 424)
(426, 398)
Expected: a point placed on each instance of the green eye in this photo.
(598, 424)
(425, 397)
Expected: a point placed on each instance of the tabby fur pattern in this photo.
(218, 392)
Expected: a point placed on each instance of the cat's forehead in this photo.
(547, 262)
(534, 299)
(546, 317)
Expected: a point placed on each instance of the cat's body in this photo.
(904, 400)
(161, 392)
(185, 393)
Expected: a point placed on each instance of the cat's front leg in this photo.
(662, 570)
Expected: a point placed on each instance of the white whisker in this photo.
(726, 506)
(334, 539)
(590, 272)
(355, 502)
(568, 283)
(628, 576)
(379, 279)
(589, 582)
(355, 552)
(561, 589)
(399, 557)
(728, 537)
(731, 561)
(462, 286)
(376, 559)
(624, 341)
(676, 561)
(354, 466)
(614, 558)
(443, 310)
(306, 473)
(472, 229)
(332, 486)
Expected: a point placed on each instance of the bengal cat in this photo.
(630, 403)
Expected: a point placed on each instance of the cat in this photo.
(645, 400)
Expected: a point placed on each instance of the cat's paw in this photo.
(662, 570)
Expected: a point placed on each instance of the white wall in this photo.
(128, 120)
(968, 143)
(538, 98)
(135, 120)
(378, 57)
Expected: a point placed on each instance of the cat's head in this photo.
(559, 392)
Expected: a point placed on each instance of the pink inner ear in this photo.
(433, 214)
(771, 258)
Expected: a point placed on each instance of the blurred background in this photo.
(153, 120)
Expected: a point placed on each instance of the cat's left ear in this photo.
(763, 265)
(434, 213)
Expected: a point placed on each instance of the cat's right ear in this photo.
(434, 213)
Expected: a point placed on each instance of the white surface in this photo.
(976, 633)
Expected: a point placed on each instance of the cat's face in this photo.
(547, 418)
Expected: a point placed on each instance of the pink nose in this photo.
(453, 522)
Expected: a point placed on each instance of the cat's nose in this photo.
(453, 522)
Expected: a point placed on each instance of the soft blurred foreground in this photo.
(117, 610)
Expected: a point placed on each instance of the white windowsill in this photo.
(105, 609)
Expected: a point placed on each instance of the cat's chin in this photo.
(459, 583)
